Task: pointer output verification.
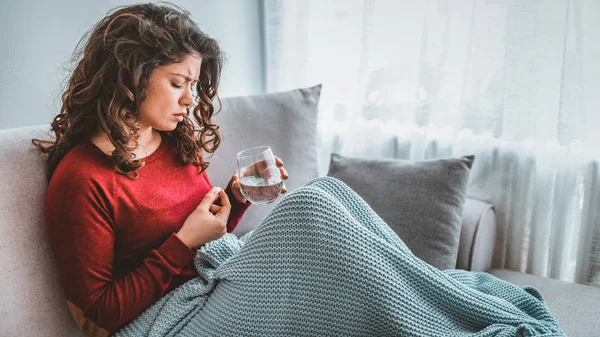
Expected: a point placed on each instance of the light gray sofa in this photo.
(32, 303)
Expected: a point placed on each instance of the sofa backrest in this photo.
(31, 299)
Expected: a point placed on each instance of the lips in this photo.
(180, 117)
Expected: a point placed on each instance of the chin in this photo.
(167, 127)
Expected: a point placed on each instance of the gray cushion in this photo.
(421, 201)
(576, 307)
(285, 121)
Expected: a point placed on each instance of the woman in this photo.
(129, 200)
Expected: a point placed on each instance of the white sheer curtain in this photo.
(517, 83)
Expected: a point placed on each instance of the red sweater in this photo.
(114, 238)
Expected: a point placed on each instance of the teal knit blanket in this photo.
(322, 263)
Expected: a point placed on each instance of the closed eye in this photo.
(178, 86)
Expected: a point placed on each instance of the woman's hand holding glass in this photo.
(259, 178)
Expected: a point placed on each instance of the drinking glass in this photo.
(260, 178)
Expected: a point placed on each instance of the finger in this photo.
(225, 206)
(209, 198)
(284, 174)
(283, 189)
(235, 180)
(214, 208)
(278, 161)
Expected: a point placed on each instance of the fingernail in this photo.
(216, 189)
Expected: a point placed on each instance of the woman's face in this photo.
(170, 91)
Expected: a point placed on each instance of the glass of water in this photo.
(260, 178)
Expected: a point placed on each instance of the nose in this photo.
(187, 99)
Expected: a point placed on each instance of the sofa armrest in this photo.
(477, 236)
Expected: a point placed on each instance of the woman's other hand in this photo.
(208, 222)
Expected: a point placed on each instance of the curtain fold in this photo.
(513, 82)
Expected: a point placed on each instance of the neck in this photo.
(147, 142)
(147, 137)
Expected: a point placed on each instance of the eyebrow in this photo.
(186, 77)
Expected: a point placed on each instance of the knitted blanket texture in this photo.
(322, 263)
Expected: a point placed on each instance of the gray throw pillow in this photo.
(285, 121)
(421, 201)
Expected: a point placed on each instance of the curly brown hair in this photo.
(110, 81)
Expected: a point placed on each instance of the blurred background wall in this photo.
(38, 37)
